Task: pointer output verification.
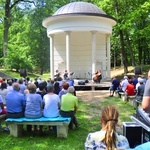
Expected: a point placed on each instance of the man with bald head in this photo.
(15, 102)
(69, 105)
(146, 96)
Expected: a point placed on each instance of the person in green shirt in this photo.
(69, 105)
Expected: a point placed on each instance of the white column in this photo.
(52, 56)
(93, 53)
(108, 57)
(68, 50)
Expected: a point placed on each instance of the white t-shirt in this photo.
(51, 102)
(3, 93)
(1, 101)
(124, 84)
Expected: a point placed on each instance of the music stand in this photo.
(72, 74)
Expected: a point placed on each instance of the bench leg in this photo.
(93, 88)
(62, 131)
(131, 102)
(16, 130)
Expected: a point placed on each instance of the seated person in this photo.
(130, 89)
(66, 75)
(2, 109)
(65, 86)
(123, 85)
(69, 105)
(42, 89)
(15, 103)
(34, 103)
(140, 91)
(115, 86)
(2, 112)
(98, 76)
(107, 138)
(51, 103)
(56, 87)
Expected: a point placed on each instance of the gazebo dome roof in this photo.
(80, 8)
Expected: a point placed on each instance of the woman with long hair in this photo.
(107, 137)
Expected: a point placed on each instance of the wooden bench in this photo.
(16, 125)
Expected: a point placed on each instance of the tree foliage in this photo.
(24, 38)
(132, 29)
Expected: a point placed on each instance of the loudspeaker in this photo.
(23, 72)
(133, 132)
(137, 70)
(81, 83)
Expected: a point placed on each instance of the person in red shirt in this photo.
(130, 89)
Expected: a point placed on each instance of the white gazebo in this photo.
(79, 35)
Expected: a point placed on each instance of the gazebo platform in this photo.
(104, 85)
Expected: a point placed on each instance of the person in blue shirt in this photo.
(15, 103)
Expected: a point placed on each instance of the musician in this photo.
(66, 75)
(58, 73)
(98, 76)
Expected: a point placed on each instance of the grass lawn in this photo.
(88, 116)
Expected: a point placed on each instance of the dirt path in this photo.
(93, 97)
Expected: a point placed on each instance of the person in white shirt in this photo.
(51, 103)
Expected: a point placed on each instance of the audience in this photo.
(2, 109)
(140, 91)
(15, 103)
(115, 86)
(42, 89)
(69, 105)
(22, 86)
(4, 91)
(51, 103)
(107, 137)
(34, 103)
(65, 86)
(130, 89)
(56, 87)
(123, 85)
(10, 87)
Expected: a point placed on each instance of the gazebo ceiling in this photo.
(79, 8)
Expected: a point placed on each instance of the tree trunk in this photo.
(131, 51)
(124, 57)
(6, 26)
